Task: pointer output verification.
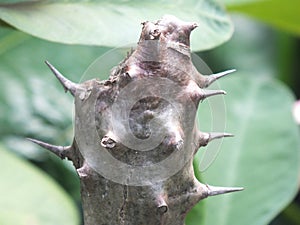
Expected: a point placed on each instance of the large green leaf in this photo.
(263, 157)
(282, 14)
(29, 196)
(28, 108)
(114, 23)
(33, 103)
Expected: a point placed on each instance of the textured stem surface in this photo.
(135, 133)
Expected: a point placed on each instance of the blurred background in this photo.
(264, 157)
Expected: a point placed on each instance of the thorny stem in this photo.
(129, 187)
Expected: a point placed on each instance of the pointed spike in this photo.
(212, 190)
(216, 135)
(60, 151)
(204, 138)
(209, 93)
(212, 78)
(190, 26)
(67, 84)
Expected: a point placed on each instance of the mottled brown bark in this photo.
(142, 191)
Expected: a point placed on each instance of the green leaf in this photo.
(28, 108)
(33, 102)
(29, 196)
(115, 23)
(239, 2)
(263, 156)
(281, 14)
(14, 1)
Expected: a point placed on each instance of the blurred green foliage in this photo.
(30, 196)
(280, 14)
(264, 156)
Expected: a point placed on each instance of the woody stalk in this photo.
(135, 133)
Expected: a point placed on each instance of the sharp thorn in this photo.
(205, 138)
(60, 151)
(213, 77)
(212, 190)
(67, 84)
(213, 136)
(209, 93)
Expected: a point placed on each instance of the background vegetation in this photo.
(264, 156)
